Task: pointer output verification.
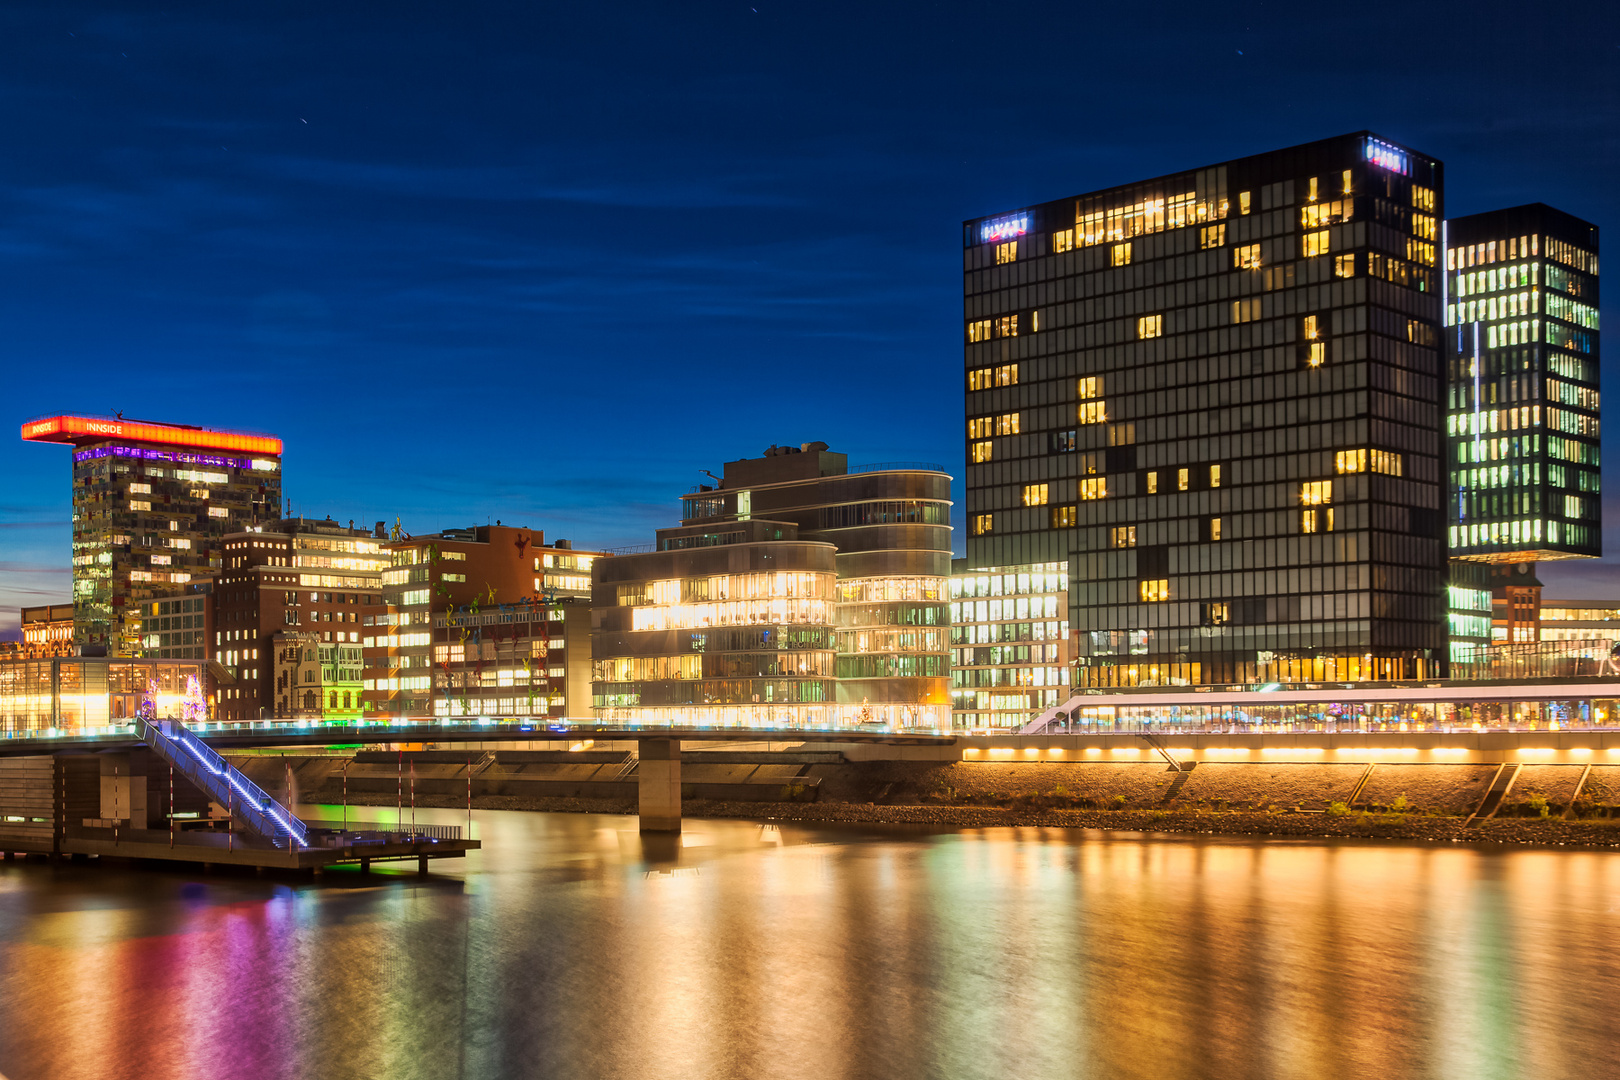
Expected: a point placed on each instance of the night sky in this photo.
(543, 263)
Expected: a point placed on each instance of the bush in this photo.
(1117, 803)
(1400, 805)
(1338, 809)
(1538, 803)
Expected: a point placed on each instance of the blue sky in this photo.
(543, 263)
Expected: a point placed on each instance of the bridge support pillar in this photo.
(659, 778)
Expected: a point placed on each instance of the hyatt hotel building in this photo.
(1217, 396)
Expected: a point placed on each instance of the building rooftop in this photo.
(84, 430)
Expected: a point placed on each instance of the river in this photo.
(567, 948)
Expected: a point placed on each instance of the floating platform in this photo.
(359, 845)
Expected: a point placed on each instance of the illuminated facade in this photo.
(1522, 409)
(1009, 643)
(151, 505)
(718, 628)
(1580, 620)
(795, 592)
(47, 631)
(1216, 398)
(439, 591)
(82, 694)
(288, 607)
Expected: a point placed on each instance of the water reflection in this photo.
(574, 947)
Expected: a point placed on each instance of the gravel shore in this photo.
(1598, 833)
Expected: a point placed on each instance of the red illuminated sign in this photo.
(80, 430)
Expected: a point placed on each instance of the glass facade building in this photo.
(151, 505)
(864, 610)
(1522, 390)
(1009, 643)
(1216, 397)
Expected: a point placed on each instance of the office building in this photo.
(485, 607)
(288, 608)
(181, 625)
(1009, 643)
(1581, 619)
(151, 504)
(795, 592)
(1522, 359)
(1216, 396)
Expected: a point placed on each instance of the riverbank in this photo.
(1282, 824)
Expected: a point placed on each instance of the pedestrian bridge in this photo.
(193, 750)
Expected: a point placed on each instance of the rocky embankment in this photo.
(1452, 802)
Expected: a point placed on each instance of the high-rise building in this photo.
(1522, 448)
(151, 503)
(1009, 643)
(288, 607)
(761, 633)
(1216, 396)
(487, 608)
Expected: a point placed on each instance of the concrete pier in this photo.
(659, 780)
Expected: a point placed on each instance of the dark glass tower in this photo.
(1217, 396)
(1522, 406)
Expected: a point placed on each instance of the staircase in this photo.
(1175, 787)
(1500, 786)
(1061, 712)
(220, 781)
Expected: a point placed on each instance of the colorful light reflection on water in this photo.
(568, 948)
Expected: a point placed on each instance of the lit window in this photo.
(981, 451)
(1315, 243)
(981, 524)
(1347, 185)
(1150, 326)
(1318, 215)
(1308, 327)
(1212, 236)
(1064, 517)
(1214, 528)
(1007, 326)
(1122, 434)
(1246, 310)
(1152, 483)
(1420, 251)
(140, 504)
(1063, 241)
(1155, 590)
(1350, 461)
(1317, 356)
(1423, 226)
(1307, 521)
(1120, 254)
(1092, 412)
(140, 489)
(1243, 202)
(1035, 494)
(1123, 536)
(1008, 252)
(1423, 198)
(1216, 613)
(983, 427)
(988, 377)
(1089, 387)
(1344, 265)
(1183, 480)
(1311, 194)
(1214, 476)
(1316, 492)
(217, 511)
(1246, 257)
(979, 331)
(1387, 462)
(1094, 488)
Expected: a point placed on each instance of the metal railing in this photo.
(897, 466)
(221, 781)
(380, 832)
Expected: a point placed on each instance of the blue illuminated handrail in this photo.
(222, 781)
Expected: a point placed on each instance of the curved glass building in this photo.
(795, 592)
